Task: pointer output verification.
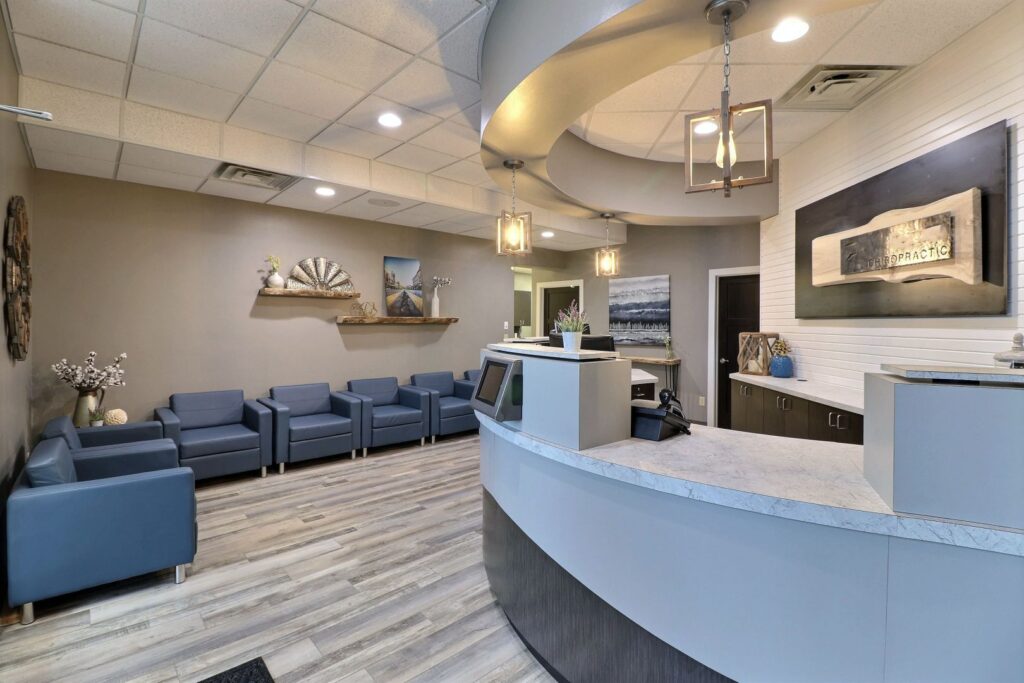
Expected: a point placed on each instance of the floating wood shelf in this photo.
(307, 293)
(393, 320)
(654, 361)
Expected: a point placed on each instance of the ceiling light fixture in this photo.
(606, 260)
(548, 234)
(31, 113)
(389, 119)
(790, 29)
(325, 191)
(701, 175)
(514, 229)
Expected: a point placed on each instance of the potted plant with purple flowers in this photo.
(571, 322)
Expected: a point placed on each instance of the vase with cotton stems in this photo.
(90, 382)
(570, 323)
(435, 302)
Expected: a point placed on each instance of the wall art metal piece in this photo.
(17, 279)
(320, 274)
(639, 309)
(927, 238)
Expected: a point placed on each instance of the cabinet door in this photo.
(819, 420)
(785, 415)
(849, 428)
(737, 407)
(753, 408)
(774, 418)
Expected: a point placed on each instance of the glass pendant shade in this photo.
(606, 262)
(720, 152)
(515, 231)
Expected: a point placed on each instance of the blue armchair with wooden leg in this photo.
(391, 414)
(450, 411)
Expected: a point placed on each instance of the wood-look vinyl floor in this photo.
(365, 570)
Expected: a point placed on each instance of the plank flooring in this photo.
(366, 570)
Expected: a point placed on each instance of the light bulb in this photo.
(720, 153)
(606, 263)
(512, 233)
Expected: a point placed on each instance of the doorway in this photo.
(553, 297)
(522, 316)
(734, 307)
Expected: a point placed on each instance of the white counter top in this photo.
(952, 373)
(552, 352)
(834, 395)
(808, 481)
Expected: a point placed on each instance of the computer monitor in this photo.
(499, 392)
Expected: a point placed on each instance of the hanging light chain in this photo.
(607, 234)
(727, 50)
(513, 190)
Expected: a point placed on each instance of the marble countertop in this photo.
(802, 480)
(552, 352)
(957, 374)
(834, 395)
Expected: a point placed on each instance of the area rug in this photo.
(253, 671)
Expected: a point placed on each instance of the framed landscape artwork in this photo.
(639, 309)
(403, 287)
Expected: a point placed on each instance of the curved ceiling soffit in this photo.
(544, 64)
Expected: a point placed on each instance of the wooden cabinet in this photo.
(765, 411)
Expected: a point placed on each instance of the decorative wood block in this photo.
(307, 293)
(755, 352)
(393, 320)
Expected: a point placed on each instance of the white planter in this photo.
(571, 341)
(275, 280)
(96, 423)
(435, 304)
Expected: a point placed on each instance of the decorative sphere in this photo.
(115, 416)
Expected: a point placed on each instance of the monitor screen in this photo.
(490, 381)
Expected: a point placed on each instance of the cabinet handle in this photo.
(785, 405)
(778, 402)
(832, 419)
(841, 415)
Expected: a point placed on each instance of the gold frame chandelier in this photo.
(515, 230)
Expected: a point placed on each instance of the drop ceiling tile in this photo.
(164, 160)
(470, 116)
(55, 140)
(69, 163)
(130, 5)
(364, 116)
(178, 94)
(631, 128)
(373, 205)
(302, 195)
(676, 130)
(795, 126)
(469, 171)
(411, 220)
(80, 24)
(337, 167)
(423, 214)
(417, 158)
(255, 25)
(275, 120)
(749, 82)
(73, 108)
(459, 51)
(430, 88)
(449, 192)
(661, 91)
(270, 152)
(223, 188)
(408, 24)
(625, 149)
(354, 141)
(825, 30)
(451, 138)
(702, 57)
(59, 64)
(151, 176)
(448, 227)
(399, 181)
(171, 50)
(667, 151)
(169, 130)
(291, 87)
(327, 48)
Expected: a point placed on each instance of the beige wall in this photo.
(171, 277)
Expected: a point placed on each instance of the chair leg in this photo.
(423, 440)
(364, 451)
(263, 471)
(280, 468)
(433, 439)
(352, 455)
(28, 614)
(179, 574)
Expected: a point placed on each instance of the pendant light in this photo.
(700, 174)
(606, 260)
(515, 230)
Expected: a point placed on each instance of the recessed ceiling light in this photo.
(547, 234)
(706, 127)
(389, 120)
(790, 29)
(325, 191)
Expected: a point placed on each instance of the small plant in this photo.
(97, 415)
(274, 262)
(781, 347)
(571, 319)
(440, 282)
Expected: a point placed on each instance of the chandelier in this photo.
(606, 260)
(515, 230)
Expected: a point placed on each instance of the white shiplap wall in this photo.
(972, 83)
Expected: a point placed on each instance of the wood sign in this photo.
(17, 279)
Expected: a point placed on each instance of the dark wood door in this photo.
(739, 301)
(555, 299)
(785, 415)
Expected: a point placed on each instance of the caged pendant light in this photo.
(606, 260)
(515, 230)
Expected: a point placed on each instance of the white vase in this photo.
(275, 281)
(435, 304)
(571, 341)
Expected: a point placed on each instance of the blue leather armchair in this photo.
(472, 375)
(450, 412)
(390, 413)
(98, 449)
(219, 432)
(311, 422)
(75, 521)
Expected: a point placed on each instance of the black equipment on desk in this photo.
(589, 342)
(655, 424)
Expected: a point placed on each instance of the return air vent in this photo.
(836, 88)
(256, 177)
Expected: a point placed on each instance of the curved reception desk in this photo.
(732, 556)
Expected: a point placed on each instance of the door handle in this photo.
(723, 361)
(832, 419)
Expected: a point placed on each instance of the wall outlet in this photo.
(702, 401)
(506, 326)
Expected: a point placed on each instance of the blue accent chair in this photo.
(78, 520)
(219, 432)
(450, 411)
(473, 375)
(97, 449)
(311, 422)
(391, 414)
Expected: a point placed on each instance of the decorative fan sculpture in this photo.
(319, 274)
(17, 278)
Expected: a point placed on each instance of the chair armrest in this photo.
(350, 406)
(464, 388)
(102, 462)
(66, 537)
(109, 435)
(258, 418)
(435, 410)
(170, 422)
(281, 414)
(366, 415)
(415, 397)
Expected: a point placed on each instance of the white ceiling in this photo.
(646, 119)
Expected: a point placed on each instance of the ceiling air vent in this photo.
(255, 177)
(836, 88)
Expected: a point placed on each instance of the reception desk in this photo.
(734, 556)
